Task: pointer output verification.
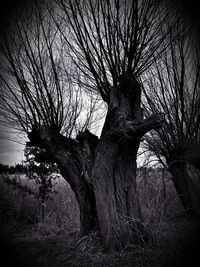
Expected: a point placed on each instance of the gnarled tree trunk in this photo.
(84, 194)
(114, 173)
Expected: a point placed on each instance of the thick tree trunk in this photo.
(115, 188)
(74, 158)
(114, 173)
(185, 187)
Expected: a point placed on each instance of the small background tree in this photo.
(44, 175)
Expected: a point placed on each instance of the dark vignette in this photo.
(190, 253)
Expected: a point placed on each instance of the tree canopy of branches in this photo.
(172, 87)
(64, 53)
(110, 40)
(36, 86)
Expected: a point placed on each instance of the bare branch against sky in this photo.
(35, 79)
(173, 84)
(59, 55)
(111, 39)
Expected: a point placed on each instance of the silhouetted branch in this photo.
(110, 39)
(172, 87)
(37, 90)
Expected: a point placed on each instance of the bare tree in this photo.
(173, 84)
(112, 43)
(39, 98)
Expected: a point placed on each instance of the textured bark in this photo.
(74, 158)
(186, 188)
(84, 195)
(115, 189)
(114, 175)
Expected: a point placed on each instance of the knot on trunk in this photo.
(125, 129)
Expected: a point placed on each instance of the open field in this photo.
(53, 240)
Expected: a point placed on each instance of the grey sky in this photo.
(10, 152)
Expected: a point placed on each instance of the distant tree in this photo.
(173, 87)
(109, 44)
(44, 175)
(3, 168)
(20, 168)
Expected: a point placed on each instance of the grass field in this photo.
(52, 240)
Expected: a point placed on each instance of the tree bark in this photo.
(74, 158)
(84, 194)
(114, 173)
(185, 187)
(115, 189)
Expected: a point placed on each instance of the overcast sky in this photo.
(11, 152)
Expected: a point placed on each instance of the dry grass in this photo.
(23, 211)
(55, 242)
